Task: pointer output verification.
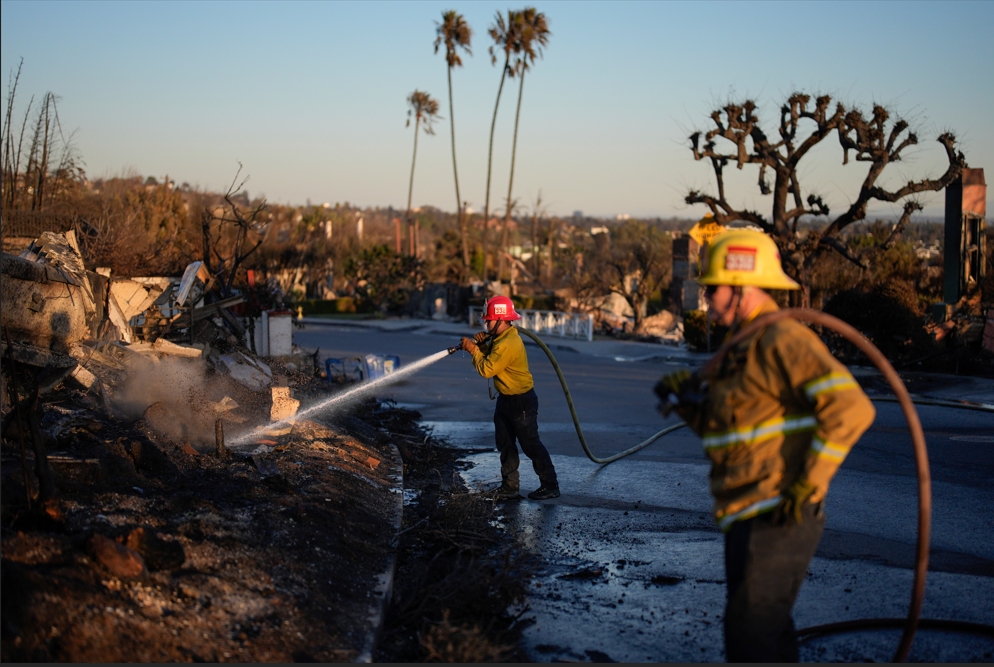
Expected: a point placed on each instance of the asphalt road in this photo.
(633, 563)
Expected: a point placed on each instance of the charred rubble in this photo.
(134, 530)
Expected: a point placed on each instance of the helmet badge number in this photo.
(740, 258)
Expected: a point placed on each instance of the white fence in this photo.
(549, 322)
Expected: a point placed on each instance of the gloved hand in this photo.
(480, 337)
(468, 345)
(670, 387)
(794, 498)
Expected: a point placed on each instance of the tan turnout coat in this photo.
(780, 408)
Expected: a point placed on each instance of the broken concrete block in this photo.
(116, 316)
(118, 559)
(283, 407)
(163, 346)
(249, 372)
(130, 297)
(224, 405)
(84, 377)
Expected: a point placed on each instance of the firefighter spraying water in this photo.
(499, 353)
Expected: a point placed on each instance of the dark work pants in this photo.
(765, 564)
(517, 417)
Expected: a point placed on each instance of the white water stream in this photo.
(340, 400)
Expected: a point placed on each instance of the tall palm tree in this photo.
(423, 108)
(454, 32)
(532, 33)
(505, 39)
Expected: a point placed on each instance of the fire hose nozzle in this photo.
(454, 349)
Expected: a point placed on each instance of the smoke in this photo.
(342, 400)
(174, 395)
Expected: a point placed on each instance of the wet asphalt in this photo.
(632, 562)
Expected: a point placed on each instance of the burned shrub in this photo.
(889, 315)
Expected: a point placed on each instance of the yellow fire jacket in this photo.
(779, 409)
(506, 362)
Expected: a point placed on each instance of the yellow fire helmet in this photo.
(741, 257)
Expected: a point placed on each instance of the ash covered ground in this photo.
(156, 545)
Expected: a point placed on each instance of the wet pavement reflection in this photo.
(632, 571)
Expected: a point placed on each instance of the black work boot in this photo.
(506, 492)
(544, 493)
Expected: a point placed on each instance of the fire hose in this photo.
(911, 623)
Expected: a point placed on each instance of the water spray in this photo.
(339, 400)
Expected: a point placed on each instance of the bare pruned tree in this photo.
(876, 140)
(231, 235)
(51, 164)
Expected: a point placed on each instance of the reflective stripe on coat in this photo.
(780, 408)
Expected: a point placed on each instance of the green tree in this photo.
(382, 278)
(635, 262)
(424, 109)
(532, 33)
(454, 32)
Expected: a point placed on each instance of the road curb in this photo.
(383, 590)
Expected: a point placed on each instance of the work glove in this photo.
(468, 345)
(480, 337)
(670, 389)
(794, 498)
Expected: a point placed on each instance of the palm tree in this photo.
(505, 39)
(454, 32)
(532, 33)
(422, 107)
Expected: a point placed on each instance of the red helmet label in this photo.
(740, 258)
(500, 309)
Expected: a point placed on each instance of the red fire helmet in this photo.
(500, 308)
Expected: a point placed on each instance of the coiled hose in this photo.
(911, 622)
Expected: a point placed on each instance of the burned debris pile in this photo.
(133, 530)
(152, 509)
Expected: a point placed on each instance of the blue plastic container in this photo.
(380, 365)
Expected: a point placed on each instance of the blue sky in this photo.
(310, 96)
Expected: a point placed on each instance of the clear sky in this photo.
(310, 96)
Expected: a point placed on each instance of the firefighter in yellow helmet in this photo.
(776, 419)
(503, 358)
